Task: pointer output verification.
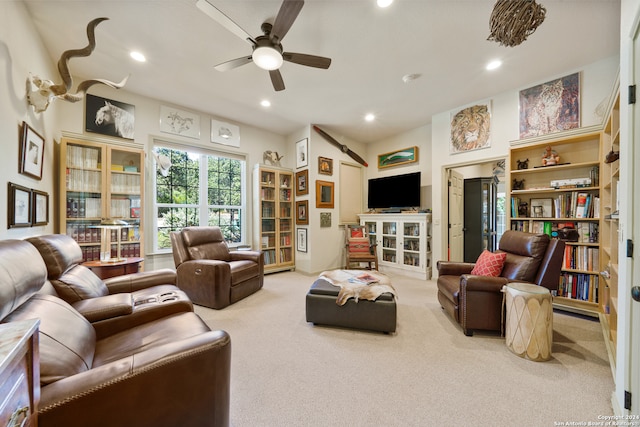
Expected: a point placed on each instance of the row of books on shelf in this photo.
(579, 286)
(125, 183)
(285, 240)
(588, 232)
(573, 204)
(84, 181)
(83, 157)
(84, 207)
(123, 207)
(581, 258)
(270, 256)
(92, 253)
(86, 233)
(267, 194)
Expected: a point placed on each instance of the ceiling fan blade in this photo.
(286, 16)
(342, 147)
(276, 80)
(308, 60)
(224, 20)
(234, 63)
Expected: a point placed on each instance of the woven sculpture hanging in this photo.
(512, 21)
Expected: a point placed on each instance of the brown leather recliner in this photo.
(475, 302)
(172, 371)
(132, 298)
(209, 273)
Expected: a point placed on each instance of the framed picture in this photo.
(19, 206)
(302, 240)
(31, 152)
(302, 212)
(471, 128)
(225, 133)
(302, 153)
(325, 166)
(541, 208)
(179, 122)
(302, 182)
(325, 219)
(108, 117)
(398, 157)
(550, 107)
(324, 194)
(40, 203)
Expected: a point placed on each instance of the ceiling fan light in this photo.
(267, 58)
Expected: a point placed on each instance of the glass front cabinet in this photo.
(273, 220)
(403, 241)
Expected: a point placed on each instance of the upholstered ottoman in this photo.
(321, 308)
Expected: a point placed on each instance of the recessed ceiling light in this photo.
(370, 117)
(265, 103)
(494, 64)
(384, 3)
(138, 56)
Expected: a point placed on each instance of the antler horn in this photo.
(62, 90)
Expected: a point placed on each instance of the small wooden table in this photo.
(104, 270)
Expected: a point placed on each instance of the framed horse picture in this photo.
(109, 117)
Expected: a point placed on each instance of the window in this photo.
(199, 188)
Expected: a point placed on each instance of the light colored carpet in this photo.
(287, 372)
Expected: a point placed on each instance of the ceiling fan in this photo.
(268, 52)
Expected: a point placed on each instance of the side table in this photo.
(529, 321)
(19, 373)
(105, 270)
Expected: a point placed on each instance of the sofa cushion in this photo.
(242, 271)
(489, 264)
(67, 339)
(147, 336)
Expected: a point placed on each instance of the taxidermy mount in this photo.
(46, 90)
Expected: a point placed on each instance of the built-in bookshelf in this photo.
(563, 200)
(101, 181)
(610, 174)
(273, 220)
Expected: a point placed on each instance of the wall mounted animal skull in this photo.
(46, 91)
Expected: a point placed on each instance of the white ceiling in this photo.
(371, 48)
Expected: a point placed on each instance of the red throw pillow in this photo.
(357, 232)
(359, 245)
(489, 264)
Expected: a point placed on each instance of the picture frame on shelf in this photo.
(541, 208)
(302, 182)
(301, 240)
(302, 212)
(325, 166)
(31, 152)
(109, 117)
(40, 203)
(302, 155)
(324, 194)
(19, 206)
(179, 122)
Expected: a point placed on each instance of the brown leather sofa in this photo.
(209, 273)
(168, 369)
(475, 302)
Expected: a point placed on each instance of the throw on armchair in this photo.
(209, 273)
(475, 302)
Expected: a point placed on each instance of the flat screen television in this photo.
(394, 192)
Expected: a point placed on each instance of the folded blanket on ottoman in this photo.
(358, 284)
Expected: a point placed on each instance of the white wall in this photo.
(597, 81)
(22, 52)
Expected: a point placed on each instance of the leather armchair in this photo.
(132, 298)
(209, 273)
(171, 371)
(475, 302)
